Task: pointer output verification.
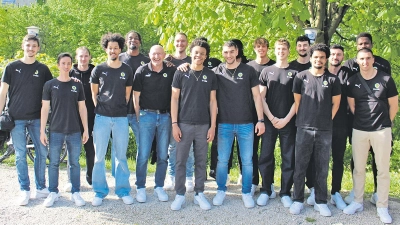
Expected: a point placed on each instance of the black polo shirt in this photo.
(154, 88)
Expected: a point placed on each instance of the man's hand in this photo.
(76, 79)
(280, 123)
(211, 134)
(43, 138)
(176, 132)
(184, 67)
(85, 137)
(259, 128)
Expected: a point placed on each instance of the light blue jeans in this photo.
(103, 127)
(152, 124)
(172, 159)
(74, 145)
(245, 136)
(18, 135)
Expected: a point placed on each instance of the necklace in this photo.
(197, 78)
(232, 74)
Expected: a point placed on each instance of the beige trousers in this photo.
(381, 145)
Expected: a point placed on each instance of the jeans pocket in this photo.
(142, 113)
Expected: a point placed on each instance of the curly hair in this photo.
(112, 37)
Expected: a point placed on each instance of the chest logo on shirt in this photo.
(355, 69)
(122, 76)
(142, 63)
(357, 85)
(289, 75)
(56, 87)
(204, 78)
(18, 70)
(165, 75)
(305, 80)
(148, 75)
(376, 87)
(325, 83)
(73, 88)
(36, 74)
(209, 63)
(187, 76)
(105, 73)
(240, 76)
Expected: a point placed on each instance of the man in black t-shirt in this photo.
(23, 82)
(152, 98)
(193, 114)
(317, 98)
(180, 56)
(303, 60)
(68, 114)
(111, 84)
(237, 87)
(276, 88)
(364, 40)
(374, 111)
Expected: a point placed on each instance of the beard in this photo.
(318, 67)
(302, 55)
(132, 47)
(336, 64)
(114, 59)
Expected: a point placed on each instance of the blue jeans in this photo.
(245, 136)
(172, 159)
(103, 127)
(74, 145)
(152, 124)
(18, 135)
(133, 123)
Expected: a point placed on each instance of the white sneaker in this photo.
(201, 200)
(76, 197)
(248, 200)
(353, 208)
(141, 195)
(23, 199)
(219, 198)
(239, 181)
(374, 198)
(286, 201)
(273, 194)
(262, 199)
(160, 193)
(349, 198)
(296, 208)
(169, 183)
(97, 201)
(128, 200)
(178, 202)
(337, 200)
(384, 215)
(68, 187)
(311, 198)
(51, 198)
(189, 184)
(323, 209)
(253, 189)
(42, 193)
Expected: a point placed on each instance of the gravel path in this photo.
(113, 211)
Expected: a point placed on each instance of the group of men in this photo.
(302, 102)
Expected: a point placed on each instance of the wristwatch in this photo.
(261, 121)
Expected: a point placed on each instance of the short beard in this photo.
(114, 59)
(305, 55)
(336, 65)
(132, 47)
(319, 67)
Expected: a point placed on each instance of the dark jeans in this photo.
(309, 141)
(89, 149)
(339, 138)
(266, 163)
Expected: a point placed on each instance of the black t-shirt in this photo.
(299, 66)
(25, 88)
(211, 63)
(84, 77)
(279, 83)
(315, 109)
(154, 88)
(340, 119)
(369, 115)
(194, 100)
(380, 64)
(134, 62)
(112, 89)
(178, 62)
(234, 95)
(260, 67)
(64, 97)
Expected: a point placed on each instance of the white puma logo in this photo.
(18, 70)
(105, 73)
(56, 87)
(305, 81)
(358, 85)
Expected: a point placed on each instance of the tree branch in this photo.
(336, 19)
(341, 37)
(240, 4)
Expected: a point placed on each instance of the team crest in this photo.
(122, 76)
(289, 74)
(36, 73)
(325, 82)
(209, 63)
(73, 89)
(165, 75)
(240, 74)
(204, 77)
(142, 63)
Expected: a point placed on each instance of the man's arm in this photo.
(335, 104)
(176, 131)
(297, 98)
(260, 127)
(128, 90)
(213, 113)
(84, 119)
(95, 92)
(352, 104)
(3, 94)
(393, 106)
(44, 115)
(136, 97)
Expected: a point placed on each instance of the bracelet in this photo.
(272, 119)
(174, 122)
(261, 121)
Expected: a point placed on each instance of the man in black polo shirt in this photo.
(237, 88)
(193, 113)
(364, 40)
(276, 88)
(303, 60)
(152, 98)
(317, 99)
(374, 111)
(111, 84)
